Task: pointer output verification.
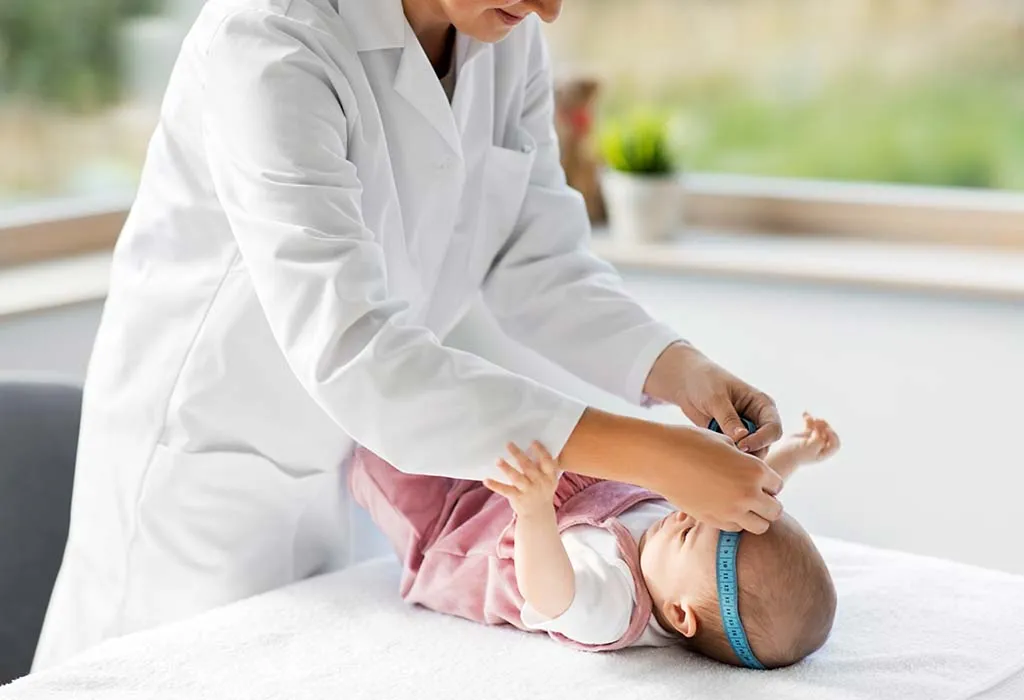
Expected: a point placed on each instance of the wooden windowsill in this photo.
(880, 236)
(869, 264)
(759, 257)
(880, 212)
(60, 229)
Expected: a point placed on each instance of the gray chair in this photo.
(38, 441)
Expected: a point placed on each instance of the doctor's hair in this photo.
(787, 600)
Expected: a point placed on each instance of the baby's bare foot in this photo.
(816, 443)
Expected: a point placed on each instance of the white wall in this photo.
(927, 394)
(925, 391)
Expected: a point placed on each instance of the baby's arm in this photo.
(816, 443)
(543, 571)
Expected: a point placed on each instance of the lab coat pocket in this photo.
(505, 183)
(231, 514)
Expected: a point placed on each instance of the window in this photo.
(926, 92)
(79, 82)
(80, 85)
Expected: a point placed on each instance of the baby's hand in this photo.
(816, 443)
(531, 488)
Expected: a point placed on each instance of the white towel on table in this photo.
(908, 627)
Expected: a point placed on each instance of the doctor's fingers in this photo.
(723, 525)
(762, 410)
(765, 506)
(729, 420)
(752, 522)
(759, 442)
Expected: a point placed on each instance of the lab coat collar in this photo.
(381, 24)
(467, 49)
(416, 81)
(374, 24)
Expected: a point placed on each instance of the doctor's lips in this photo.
(508, 18)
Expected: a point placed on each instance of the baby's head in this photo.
(786, 598)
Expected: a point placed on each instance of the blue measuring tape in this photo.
(751, 426)
(729, 599)
(728, 583)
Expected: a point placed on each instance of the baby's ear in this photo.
(682, 617)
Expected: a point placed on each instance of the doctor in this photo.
(331, 183)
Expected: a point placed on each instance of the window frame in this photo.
(901, 213)
(876, 211)
(60, 228)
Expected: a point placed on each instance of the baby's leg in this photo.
(404, 506)
(816, 443)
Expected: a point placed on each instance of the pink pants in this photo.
(447, 534)
(455, 537)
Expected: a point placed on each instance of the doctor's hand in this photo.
(684, 376)
(700, 472)
(705, 476)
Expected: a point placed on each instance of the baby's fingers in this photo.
(526, 465)
(501, 489)
(515, 477)
(547, 462)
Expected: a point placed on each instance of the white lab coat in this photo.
(313, 216)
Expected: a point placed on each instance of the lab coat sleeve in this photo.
(547, 290)
(276, 137)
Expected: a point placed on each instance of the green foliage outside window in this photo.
(64, 52)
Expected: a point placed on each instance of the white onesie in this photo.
(605, 594)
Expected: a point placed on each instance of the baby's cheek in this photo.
(688, 575)
(701, 568)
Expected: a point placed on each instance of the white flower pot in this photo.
(642, 208)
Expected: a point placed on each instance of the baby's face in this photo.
(678, 560)
(793, 605)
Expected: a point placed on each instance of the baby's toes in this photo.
(818, 439)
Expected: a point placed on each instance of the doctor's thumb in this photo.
(730, 421)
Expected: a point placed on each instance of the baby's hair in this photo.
(787, 599)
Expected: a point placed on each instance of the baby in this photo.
(603, 566)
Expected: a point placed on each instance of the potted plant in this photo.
(642, 192)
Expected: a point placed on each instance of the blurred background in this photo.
(80, 84)
(909, 91)
(854, 131)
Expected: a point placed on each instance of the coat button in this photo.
(446, 163)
